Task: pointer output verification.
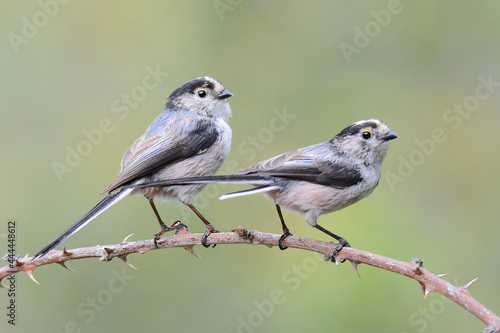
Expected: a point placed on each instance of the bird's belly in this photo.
(304, 196)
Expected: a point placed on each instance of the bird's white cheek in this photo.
(191, 104)
(222, 109)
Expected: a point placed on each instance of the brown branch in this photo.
(413, 270)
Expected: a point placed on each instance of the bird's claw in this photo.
(282, 238)
(342, 243)
(177, 226)
(205, 237)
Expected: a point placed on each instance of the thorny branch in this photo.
(414, 270)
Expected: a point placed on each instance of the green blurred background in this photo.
(66, 67)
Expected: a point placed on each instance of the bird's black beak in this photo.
(225, 94)
(389, 136)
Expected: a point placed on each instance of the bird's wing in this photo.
(151, 153)
(316, 164)
(274, 162)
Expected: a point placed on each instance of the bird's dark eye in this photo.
(366, 134)
(202, 93)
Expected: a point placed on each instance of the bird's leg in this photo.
(210, 227)
(342, 242)
(177, 225)
(286, 232)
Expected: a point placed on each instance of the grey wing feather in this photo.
(308, 164)
(274, 162)
(150, 154)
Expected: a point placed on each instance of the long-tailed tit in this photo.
(190, 138)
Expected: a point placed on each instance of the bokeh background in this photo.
(300, 72)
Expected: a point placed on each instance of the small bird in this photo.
(314, 180)
(190, 138)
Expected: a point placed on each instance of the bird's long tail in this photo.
(105, 203)
(262, 183)
(258, 189)
(230, 179)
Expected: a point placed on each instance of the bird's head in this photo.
(367, 140)
(203, 95)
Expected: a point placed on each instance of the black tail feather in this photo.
(94, 212)
(236, 179)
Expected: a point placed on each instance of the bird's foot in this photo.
(342, 243)
(177, 226)
(282, 238)
(210, 230)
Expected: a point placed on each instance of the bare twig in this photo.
(414, 270)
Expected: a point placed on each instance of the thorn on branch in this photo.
(355, 265)
(107, 255)
(425, 290)
(243, 233)
(64, 265)
(467, 286)
(125, 240)
(123, 257)
(190, 249)
(182, 232)
(17, 262)
(29, 271)
(66, 253)
(418, 264)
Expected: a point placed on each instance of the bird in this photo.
(190, 138)
(314, 180)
